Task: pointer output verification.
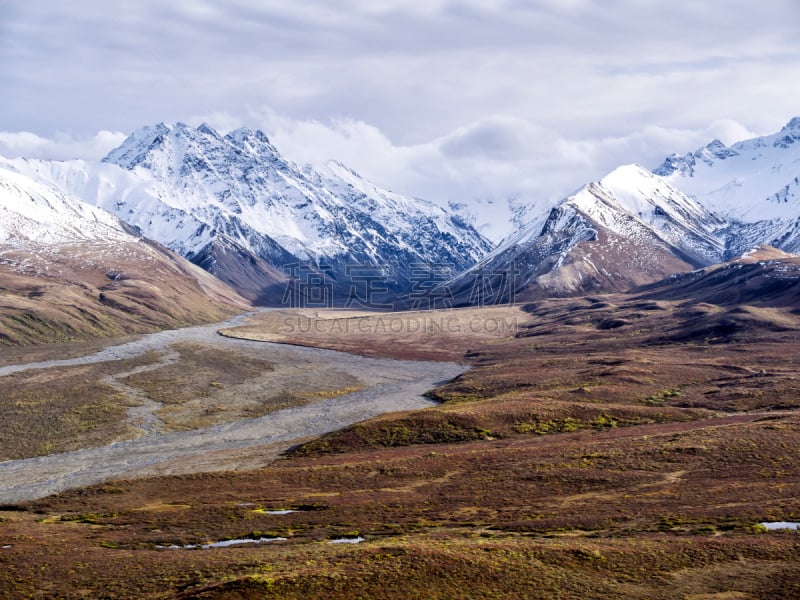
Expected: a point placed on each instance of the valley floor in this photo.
(184, 401)
(608, 447)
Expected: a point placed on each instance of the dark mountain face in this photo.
(765, 277)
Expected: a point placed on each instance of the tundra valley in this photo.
(223, 375)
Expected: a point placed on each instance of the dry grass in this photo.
(420, 335)
(610, 450)
(18, 355)
(79, 292)
(58, 410)
(635, 512)
(64, 409)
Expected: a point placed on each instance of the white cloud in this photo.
(488, 161)
(61, 147)
(220, 121)
(449, 99)
(729, 131)
(416, 70)
(495, 138)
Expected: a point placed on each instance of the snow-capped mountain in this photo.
(34, 215)
(498, 218)
(132, 197)
(627, 229)
(71, 270)
(199, 192)
(234, 206)
(755, 184)
(634, 226)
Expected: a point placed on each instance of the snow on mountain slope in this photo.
(197, 191)
(32, 213)
(498, 219)
(633, 202)
(135, 198)
(754, 183)
(753, 180)
(241, 178)
(629, 228)
(69, 270)
(633, 227)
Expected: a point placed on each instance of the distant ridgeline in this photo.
(283, 234)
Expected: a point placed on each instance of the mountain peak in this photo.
(628, 228)
(793, 125)
(181, 147)
(675, 163)
(713, 150)
(202, 131)
(754, 183)
(686, 165)
(252, 140)
(245, 133)
(137, 145)
(202, 187)
(32, 211)
(208, 130)
(625, 177)
(629, 170)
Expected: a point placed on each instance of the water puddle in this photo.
(283, 511)
(778, 525)
(355, 540)
(225, 543)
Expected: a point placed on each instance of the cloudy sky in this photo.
(452, 100)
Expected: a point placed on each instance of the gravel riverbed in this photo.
(389, 385)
